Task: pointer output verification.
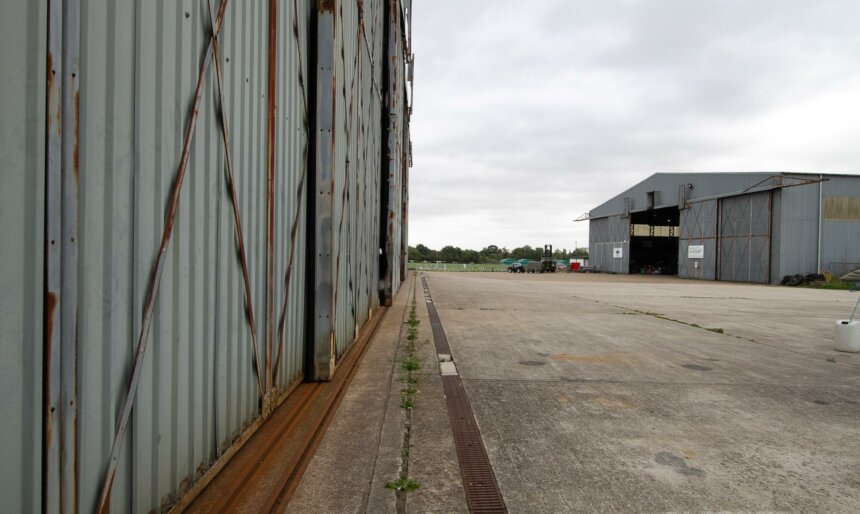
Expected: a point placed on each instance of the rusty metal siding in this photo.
(240, 218)
(395, 146)
(357, 147)
(22, 206)
(198, 387)
(356, 179)
(345, 87)
(198, 391)
(291, 179)
(369, 156)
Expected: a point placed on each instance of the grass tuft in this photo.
(403, 484)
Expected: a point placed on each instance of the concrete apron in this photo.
(362, 448)
(606, 394)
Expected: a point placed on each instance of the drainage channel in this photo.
(479, 481)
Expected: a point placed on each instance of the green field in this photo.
(433, 266)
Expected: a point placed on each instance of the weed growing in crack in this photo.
(410, 363)
(403, 484)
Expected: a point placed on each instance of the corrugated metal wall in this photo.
(840, 241)
(606, 234)
(799, 230)
(698, 226)
(744, 238)
(776, 237)
(397, 147)
(358, 150)
(22, 152)
(208, 372)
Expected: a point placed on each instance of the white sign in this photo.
(696, 252)
(617, 253)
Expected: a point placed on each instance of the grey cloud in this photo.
(524, 109)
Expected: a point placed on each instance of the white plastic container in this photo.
(847, 336)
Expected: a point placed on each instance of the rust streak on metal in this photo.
(56, 118)
(50, 308)
(234, 200)
(152, 292)
(289, 273)
(270, 191)
(51, 73)
(299, 202)
(347, 128)
(300, 65)
(75, 158)
(49, 317)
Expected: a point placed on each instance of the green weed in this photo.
(403, 484)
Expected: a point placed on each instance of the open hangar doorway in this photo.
(654, 241)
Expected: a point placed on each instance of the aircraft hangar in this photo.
(742, 227)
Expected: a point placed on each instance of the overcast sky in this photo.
(528, 114)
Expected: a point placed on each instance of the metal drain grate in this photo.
(439, 337)
(479, 481)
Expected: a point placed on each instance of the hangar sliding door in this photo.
(744, 238)
(698, 224)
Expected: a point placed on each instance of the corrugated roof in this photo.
(667, 189)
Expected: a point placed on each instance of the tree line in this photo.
(489, 254)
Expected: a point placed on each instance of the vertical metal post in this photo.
(59, 487)
(324, 352)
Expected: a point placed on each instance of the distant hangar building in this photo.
(742, 227)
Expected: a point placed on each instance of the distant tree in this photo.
(470, 256)
(491, 254)
(524, 252)
(488, 254)
(425, 254)
(451, 254)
